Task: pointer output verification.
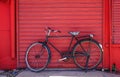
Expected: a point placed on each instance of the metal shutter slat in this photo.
(115, 21)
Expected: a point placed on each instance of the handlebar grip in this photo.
(48, 28)
(59, 31)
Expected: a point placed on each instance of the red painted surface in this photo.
(106, 34)
(73, 15)
(115, 34)
(6, 61)
(115, 21)
(12, 28)
(100, 17)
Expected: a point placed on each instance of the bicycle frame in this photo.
(77, 38)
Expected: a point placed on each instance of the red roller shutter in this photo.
(66, 15)
(115, 45)
(116, 21)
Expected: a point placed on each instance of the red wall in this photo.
(6, 59)
(115, 34)
(8, 53)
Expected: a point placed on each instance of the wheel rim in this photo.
(37, 57)
(94, 58)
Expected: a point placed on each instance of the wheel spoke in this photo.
(37, 57)
(87, 53)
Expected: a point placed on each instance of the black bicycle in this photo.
(86, 52)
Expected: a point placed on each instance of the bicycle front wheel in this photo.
(87, 53)
(37, 57)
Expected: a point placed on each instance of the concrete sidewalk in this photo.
(59, 73)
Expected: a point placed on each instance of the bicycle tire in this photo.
(80, 59)
(37, 57)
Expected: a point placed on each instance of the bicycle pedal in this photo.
(62, 59)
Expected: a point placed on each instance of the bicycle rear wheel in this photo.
(37, 57)
(87, 53)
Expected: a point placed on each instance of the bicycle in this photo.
(84, 51)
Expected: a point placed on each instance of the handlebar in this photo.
(49, 30)
(53, 30)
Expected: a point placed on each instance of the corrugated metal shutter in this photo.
(66, 15)
(116, 21)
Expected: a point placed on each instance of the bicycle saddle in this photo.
(74, 33)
